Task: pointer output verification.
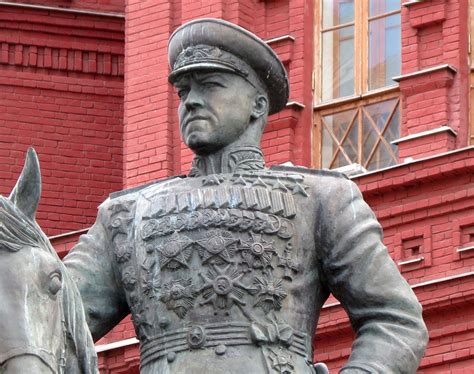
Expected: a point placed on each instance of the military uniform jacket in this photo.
(227, 273)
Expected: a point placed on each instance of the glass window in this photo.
(384, 50)
(338, 63)
(360, 44)
(361, 135)
(378, 7)
(359, 54)
(337, 49)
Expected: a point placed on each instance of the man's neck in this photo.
(231, 159)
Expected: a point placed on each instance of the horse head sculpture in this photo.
(42, 323)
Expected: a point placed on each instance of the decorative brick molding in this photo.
(62, 59)
(103, 8)
(61, 91)
(413, 249)
(463, 237)
(283, 46)
(425, 13)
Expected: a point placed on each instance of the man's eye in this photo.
(212, 84)
(182, 93)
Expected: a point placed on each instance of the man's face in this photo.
(215, 109)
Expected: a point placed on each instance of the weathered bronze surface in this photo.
(226, 270)
(42, 323)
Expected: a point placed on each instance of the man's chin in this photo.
(200, 144)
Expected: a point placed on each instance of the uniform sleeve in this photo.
(90, 265)
(386, 316)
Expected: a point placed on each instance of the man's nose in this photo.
(193, 100)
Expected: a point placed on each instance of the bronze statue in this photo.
(226, 270)
(42, 323)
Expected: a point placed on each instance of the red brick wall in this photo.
(430, 202)
(62, 87)
(61, 91)
(434, 33)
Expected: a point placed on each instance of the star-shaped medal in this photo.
(222, 287)
(300, 189)
(256, 252)
(175, 252)
(217, 247)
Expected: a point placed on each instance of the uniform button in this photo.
(171, 356)
(220, 349)
(196, 337)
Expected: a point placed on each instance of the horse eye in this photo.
(55, 283)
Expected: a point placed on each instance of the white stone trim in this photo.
(412, 261)
(465, 249)
(425, 133)
(433, 69)
(70, 233)
(280, 38)
(412, 2)
(115, 345)
(422, 284)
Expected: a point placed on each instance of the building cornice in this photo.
(64, 10)
(431, 282)
(443, 164)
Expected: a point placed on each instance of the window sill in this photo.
(409, 3)
(354, 98)
(411, 262)
(465, 249)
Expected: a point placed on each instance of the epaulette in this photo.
(116, 194)
(304, 170)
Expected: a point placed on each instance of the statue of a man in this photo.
(226, 270)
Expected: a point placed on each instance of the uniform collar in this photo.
(228, 160)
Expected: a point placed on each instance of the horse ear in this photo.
(27, 191)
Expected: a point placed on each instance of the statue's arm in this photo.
(91, 266)
(384, 312)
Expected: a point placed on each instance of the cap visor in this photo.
(201, 66)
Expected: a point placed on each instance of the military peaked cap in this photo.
(215, 44)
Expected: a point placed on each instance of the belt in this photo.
(218, 336)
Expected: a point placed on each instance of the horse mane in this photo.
(18, 231)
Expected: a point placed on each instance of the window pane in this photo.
(383, 6)
(351, 144)
(379, 113)
(339, 124)
(384, 51)
(393, 132)
(337, 73)
(381, 158)
(336, 12)
(375, 123)
(328, 149)
(369, 139)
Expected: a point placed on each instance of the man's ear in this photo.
(260, 107)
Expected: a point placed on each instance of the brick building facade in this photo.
(85, 82)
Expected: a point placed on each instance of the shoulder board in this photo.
(116, 194)
(303, 170)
